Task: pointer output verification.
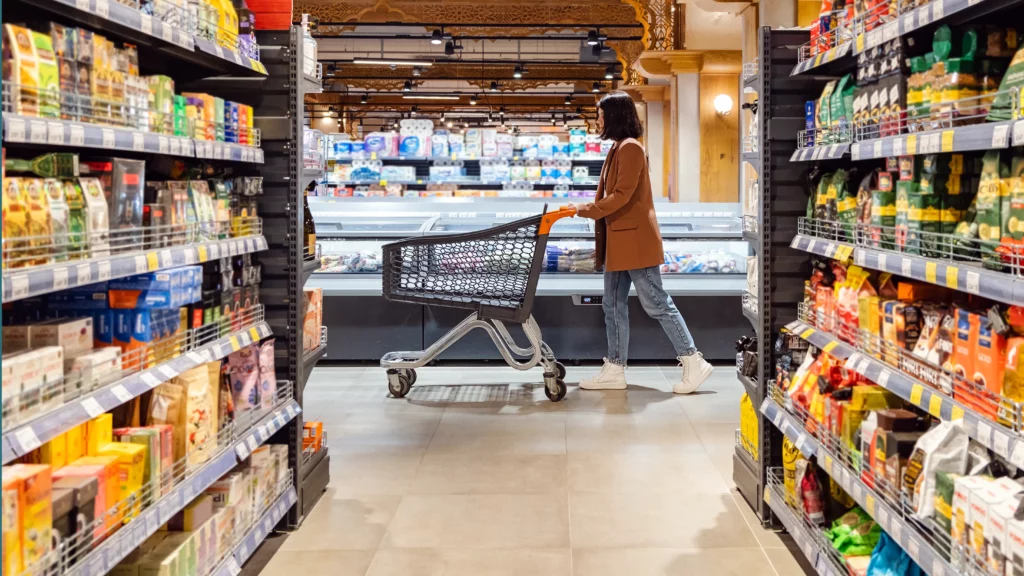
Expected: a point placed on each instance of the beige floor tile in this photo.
(789, 561)
(621, 435)
(646, 472)
(475, 522)
(671, 562)
(373, 474)
(656, 520)
(449, 562)
(490, 474)
(324, 563)
(343, 523)
(766, 537)
(382, 437)
(499, 435)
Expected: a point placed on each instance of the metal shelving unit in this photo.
(279, 115)
(782, 201)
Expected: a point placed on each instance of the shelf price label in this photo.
(930, 271)
(103, 8)
(55, 133)
(912, 144)
(897, 147)
(935, 405)
(37, 132)
(952, 276)
(107, 138)
(60, 278)
(77, 135)
(15, 129)
(147, 24)
(167, 33)
(1000, 136)
(947, 135)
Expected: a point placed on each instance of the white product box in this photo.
(228, 491)
(981, 501)
(961, 525)
(94, 368)
(996, 532)
(15, 338)
(1014, 548)
(73, 334)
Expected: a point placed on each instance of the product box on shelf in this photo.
(28, 488)
(82, 510)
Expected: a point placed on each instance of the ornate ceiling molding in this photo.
(555, 16)
(654, 64)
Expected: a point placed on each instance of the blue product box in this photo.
(79, 301)
(103, 327)
(809, 108)
(231, 122)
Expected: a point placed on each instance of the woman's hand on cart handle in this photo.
(549, 218)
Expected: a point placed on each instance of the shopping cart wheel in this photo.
(408, 373)
(398, 384)
(559, 391)
(561, 370)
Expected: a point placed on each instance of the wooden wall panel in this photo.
(807, 11)
(719, 140)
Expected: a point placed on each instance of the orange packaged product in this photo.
(964, 341)
(989, 363)
(33, 485)
(12, 563)
(312, 435)
(106, 471)
(920, 291)
(825, 308)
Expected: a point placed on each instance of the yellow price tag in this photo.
(935, 405)
(419, 181)
(254, 334)
(869, 505)
(828, 464)
(383, 182)
(845, 252)
(930, 269)
(768, 497)
(234, 344)
(152, 262)
(373, 155)
(952, 275)
(947, 141)
(455, 156)
(203, 256)
(915, 394)
(830, 346)
(807, 333)
(911, 145)
(957, 413)
(860, 42)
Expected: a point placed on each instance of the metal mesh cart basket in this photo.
(493, 273)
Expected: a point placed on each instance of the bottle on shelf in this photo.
(308, 225)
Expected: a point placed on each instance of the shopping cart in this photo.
(492, 272)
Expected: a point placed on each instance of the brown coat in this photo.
(626, 234)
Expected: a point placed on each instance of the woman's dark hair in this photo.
(620, 117)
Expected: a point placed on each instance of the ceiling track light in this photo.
(494, 86)
(568, 100)
(609, 73)
(472, 100)
(518, 72)
(592, 38)
(449, 48)
(413, 111)
(596, 88)
(436, 37)
(407, 87)
(416, 71)
(364, 99)
(501, 111)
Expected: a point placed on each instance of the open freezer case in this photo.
(704, 271)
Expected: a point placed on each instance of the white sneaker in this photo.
(695, 371)
(611, 377)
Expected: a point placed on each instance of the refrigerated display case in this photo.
(704, 271)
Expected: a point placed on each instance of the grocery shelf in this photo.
(312, 174)
(809, 544)
(229, 55)
(20, 283)
(57, 132)
(964, 276)
(749, 385)
(791, 427)
(1003, 441)
(823, 152)
(228, 151)
(985, 136)
(24, 438)
(312, 84)
(745, 457)
(106, 14)
(315, 477)
(914, 19)
(309, 360)
(831, 55)
(52, 132)
(108, 554)
(336, 284)
(231, 565)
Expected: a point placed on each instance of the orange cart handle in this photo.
(550, 218)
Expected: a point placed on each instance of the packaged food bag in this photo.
(268, 375)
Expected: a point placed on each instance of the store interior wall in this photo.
(719, 140)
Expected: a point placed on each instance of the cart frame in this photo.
(486, 313)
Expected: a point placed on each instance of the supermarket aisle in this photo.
(461, 479)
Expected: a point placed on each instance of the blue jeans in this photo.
(656, 303)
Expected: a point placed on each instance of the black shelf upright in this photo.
(280, 118)
(783, 199)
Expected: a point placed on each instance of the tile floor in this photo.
(477, 473)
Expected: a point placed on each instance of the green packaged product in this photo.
(76, 218)
(883, 218)
(992, 196)
(860, 541)
(867, 184)
(1015, 217)
(51, 165)
(825, 200)
(846, 205)
(924, 223)
(966, 231)
(841, 109)
(59, 217)
(943, 514)
(904, 190)
(1012, 83)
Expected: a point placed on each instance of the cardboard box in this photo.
(194, 515)
(99, 432)
(33, 484)
(131, 465)
(982, 499)
(23, 385)
(55, 452)
(960, 530)
(13, 563)
(150, 439)
(106, 471)
(96, 367)
(999, 517)
(72, 334)
(228, 491)
(83, 507)
(75, 442)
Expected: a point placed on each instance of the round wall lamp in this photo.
(723, 104)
